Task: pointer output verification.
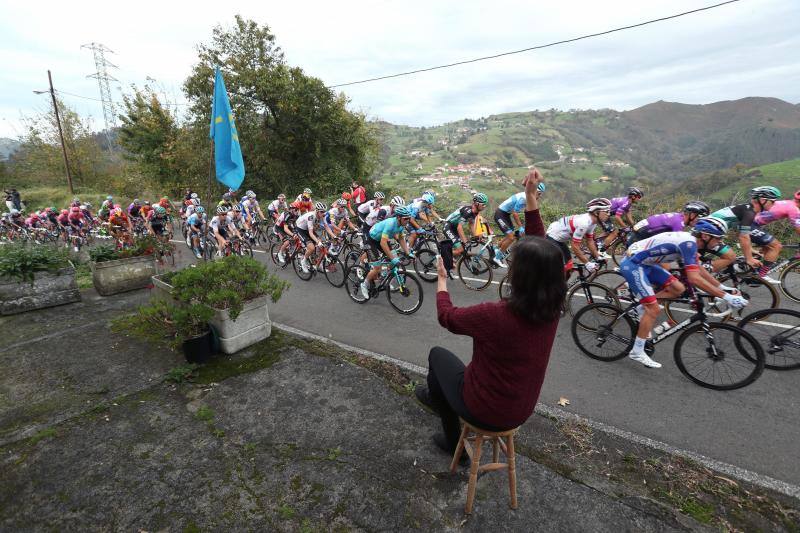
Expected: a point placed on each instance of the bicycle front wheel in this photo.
(245, 250)
(602, 332)
(584, 293)
(334, 271)
(354, 276)
(719, 356)
(616, 282)
(505, 288)
(790, 280)
(617, 251)
(778, 332)
(474, 271)
(298, 267)
(404, 292)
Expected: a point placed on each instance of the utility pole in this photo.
(60, 133)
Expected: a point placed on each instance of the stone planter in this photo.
(47, 290)
(251, 326)
(111, 277)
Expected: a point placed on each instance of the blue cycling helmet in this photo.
(716, 227)
(402, 211)
(199, 209)
(429, 198)
(541, 187)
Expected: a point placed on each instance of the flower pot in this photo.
(47, 290)
(120, 275)
(251, 326)
(199, 349)
(161, 289)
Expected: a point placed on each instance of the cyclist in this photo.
(338, 217)
(577, 229)
(145, 210)
(166, 204)
(157, 222)
(507, 218)
(788, 209)
(304, 199)
(227, 201)
(250, 208)
(220, 224)
(383, 212)
(305, 230)
(741, 218)
(134, 210)
(120, 224)
(284, 226)
(643, 271)
(76, 202)
(365, 208)
(194, 225)
(621, 207)
(454, 235)
(421, 211)
(191, 207)
(52, 218)
(62, 219)
(378, 242)
(276, 207)
(664, 222)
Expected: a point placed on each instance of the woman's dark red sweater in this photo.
(509, 353)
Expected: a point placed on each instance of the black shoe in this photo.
(441, 442)
(424, 396)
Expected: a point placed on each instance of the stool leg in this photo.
(473, 475)
(512, 472)
(459, 450)
(495, 449)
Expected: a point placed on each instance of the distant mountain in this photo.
(7, 147)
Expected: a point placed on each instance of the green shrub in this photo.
(22, 262)
(165, 322)
(227, 283)
(146, 245)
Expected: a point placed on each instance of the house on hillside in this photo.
(603, 179)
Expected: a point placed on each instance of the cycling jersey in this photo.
(376, 215)
(665, 248)
(75, 220)
(32, 222)
(460, 215)
(781, 209)
(195, 220)
(306, 221)
(249, 207)
(389, 227)
(660, 223)
(277, 205)
(189, 210)
(419, 206)
(285, 218)
(739, 217)
(115, 220)
(217, 223)
(515, 204)
(574, 227)
(62, 220)
(620, 205)
(133, 210)
(336, 215)
(366, 207)
(146, 210)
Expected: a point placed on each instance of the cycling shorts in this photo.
(374, 249)
(642, 278)
(305, 238)
(158, 229)
(451, 234)
(759, 237)
(503, 220)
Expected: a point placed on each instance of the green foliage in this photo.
(227, 283)
(147, 245)
(182, 374)
(22, 262)
(164, 322)
(103, 252)
(205, 414)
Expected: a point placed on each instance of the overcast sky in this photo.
(750, 48)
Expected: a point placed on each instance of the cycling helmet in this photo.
(598, 204)
(75, 209)
(398, 201)
(319, 206)
(118, 211)
(63, 212)
(76, 200)
(137, 202)
(237, 208)
(251, 194)
(281, 196)
(797, 195)
(402, 211)
(294, 205)
(164, 202)
(195, 201)
(635, 191)
(380, 195)
(226, 196)
(480, 198)
(346, 196)
(698, 207)
(716, 227)
(159, 210)
(341, 202)
(221, 210)
(306, 191)
(766, 192)
(88, 205)
(429, 191)
(51, 209)
(82, 207)
(428, 198)
(109, 198)
(194, 195)
(541, 187)
(146, 202)
(200, 210)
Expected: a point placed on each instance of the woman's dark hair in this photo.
(538, 287)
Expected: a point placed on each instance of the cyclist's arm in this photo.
(387, 249)
(619, 220)
(747, 246)
(705, 281)
(517, 220)
(312, 234)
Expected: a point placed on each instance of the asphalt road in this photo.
(757, 428)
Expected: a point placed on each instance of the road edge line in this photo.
(541, 409)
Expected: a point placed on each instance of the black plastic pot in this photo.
(200, 349)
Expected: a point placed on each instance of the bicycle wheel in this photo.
(601, 333)
(404, 293)
(617, 251)
(245, 250)
(719, 356)
(210, 250)
(274, 250)
(759, 294)
(425, 265)
(298, 269)
(474, 271)
(354, 275)
(505, 288)
(334, 271)
(584, 293)
(790, 280)
(679, 310)
(778, 332)
(616, 282)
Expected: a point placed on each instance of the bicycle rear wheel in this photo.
(474, 271)
(725, 357)
(334, 271)
(790, 280)
(584, 293)
(404, 293)
(274, 250)
(600, 332)
(778, 332)
(425, 265)
(244, 249)
(354, 275)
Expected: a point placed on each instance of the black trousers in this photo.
(445, 382)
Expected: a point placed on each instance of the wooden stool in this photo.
(476, 436)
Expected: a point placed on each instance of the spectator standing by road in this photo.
(13, 200)
(358, 194)
(512, 339)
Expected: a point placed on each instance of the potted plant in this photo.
(115, 271)
(34, 277)
(237, 289)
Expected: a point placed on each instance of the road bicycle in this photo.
(789, 269)
(295, 246)
(403, 289)
(475, 267)
(319, 261)
(778, 332)
(715, 355)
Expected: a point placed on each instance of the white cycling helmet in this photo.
(598, 204)
(341, 202)
(319, 206)
(397, 201)
(380, 195)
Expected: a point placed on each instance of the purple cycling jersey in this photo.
(660, 223)
(620, 206)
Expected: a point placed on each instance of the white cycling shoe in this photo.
(644, 359)
(365, 289)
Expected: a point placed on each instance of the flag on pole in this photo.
(227, 152)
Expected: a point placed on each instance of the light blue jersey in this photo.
(389, 227)
(515, 204)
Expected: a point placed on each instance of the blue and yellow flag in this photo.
(227, 152)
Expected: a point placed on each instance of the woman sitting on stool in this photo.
(511, 340)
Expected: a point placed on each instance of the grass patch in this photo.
(265, 354)
(181, 374)
(43, 434)
(286, 512)
(205, 414)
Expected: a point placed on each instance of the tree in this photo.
(294, 131)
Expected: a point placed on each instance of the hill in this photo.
(7, 147)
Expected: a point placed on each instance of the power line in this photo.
(538, 47)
